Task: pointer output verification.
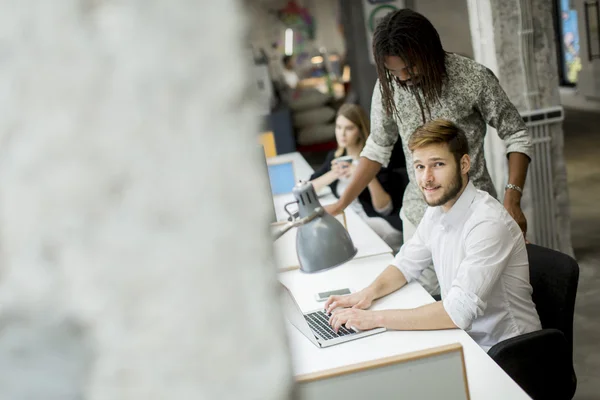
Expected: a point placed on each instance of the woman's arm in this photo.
(364, 173)
(324, 180)
(379, 197)
(324, 176)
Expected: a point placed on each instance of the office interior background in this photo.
(134, 258)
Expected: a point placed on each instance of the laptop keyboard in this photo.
(319, 323)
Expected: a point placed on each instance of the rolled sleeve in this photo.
(415, 254)
(500, 113)
(386, 210)
(384, 132)
(519, 142)
(488, 247)
(377, 153)
(463, 307)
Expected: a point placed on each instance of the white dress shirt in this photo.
(291, 78)
(479, 255)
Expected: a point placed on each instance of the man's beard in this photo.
(451, 192)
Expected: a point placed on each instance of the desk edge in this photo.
(382, 362)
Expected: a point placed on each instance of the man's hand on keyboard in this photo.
(359, 300)
(355, 318)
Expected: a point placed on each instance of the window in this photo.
(568, 34)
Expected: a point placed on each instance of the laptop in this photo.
(315, 324)
(265, 166)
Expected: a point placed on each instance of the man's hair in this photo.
(440, 131)
(286, 59)
(410, 36)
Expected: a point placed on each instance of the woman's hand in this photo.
(348, 170)
(339, 168)
(343, 169)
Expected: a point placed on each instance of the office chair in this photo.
(542, 362)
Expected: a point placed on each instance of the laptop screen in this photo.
(281, 177)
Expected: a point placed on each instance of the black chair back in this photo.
(541, 362)
(554, 277)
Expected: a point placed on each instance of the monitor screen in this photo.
(282, 178)
(265, 171)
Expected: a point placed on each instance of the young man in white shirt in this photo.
(290, 76)
(476, 247)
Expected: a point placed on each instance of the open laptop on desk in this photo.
(315, 324)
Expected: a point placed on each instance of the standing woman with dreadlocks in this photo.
(418, 82)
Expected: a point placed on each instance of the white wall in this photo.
(451, 19)
(586, 95)
(571, 97)
(265, 28)
(328, 34)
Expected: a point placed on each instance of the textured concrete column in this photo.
(134, 256)
(501, 43)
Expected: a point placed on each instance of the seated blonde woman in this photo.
(375, 204)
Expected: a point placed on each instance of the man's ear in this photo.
(465, 164)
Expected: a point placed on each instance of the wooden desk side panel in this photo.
(435, 376)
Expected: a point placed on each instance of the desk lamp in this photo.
(322, 242)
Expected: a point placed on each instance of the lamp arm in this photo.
(319, 211)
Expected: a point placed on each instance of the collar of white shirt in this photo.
(457, 213)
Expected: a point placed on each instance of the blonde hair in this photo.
(355, 114)
(440, 131)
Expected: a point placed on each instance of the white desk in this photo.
(366, 241)
(486, 379)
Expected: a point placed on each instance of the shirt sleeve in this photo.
(291, 79)
(387, 210)
(500, 113)
(415, 254)
(488, 248)
(384, 132)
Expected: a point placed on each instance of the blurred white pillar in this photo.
(135, 261)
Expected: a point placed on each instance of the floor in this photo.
(582, 156)
(582, 144)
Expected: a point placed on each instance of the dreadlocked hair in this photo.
(409, 35)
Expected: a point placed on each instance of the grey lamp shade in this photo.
(322, 243)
